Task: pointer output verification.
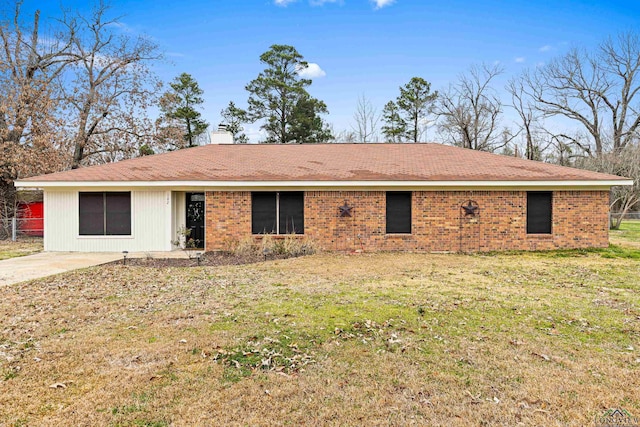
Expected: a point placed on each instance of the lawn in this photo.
(373, 339)
(628, 234)
(25, 246)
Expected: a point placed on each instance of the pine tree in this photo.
(415, 103)
(307, 126)
(279, 96)
(395, 127)
(233, 118)
(179, 108)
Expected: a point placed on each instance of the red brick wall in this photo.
(228, 218)
(579, 221)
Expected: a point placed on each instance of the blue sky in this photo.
(363, 47)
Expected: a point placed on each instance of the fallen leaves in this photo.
(542, 356)
(268, 353)
(61, 384)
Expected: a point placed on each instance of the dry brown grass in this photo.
(387, 339)
(22, 247)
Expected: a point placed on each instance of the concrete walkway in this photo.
(43, 264)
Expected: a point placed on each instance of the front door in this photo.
(195, 220)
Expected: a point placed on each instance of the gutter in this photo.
(328, 185)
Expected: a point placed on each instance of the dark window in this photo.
(263, 213)
(105, 214)
(91, 214)
(277, 213)
(398, 212)
(539, 212)
(291, 213)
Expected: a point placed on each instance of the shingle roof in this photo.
(324, 162)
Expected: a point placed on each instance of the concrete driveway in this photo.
(43, 264)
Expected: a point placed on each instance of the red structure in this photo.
(31, 218)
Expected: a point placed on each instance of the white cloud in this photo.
(313, 71)
(519, 59)
(545, 48)
(382, 3)
(283, 3)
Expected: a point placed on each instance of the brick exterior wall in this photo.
(580, 220)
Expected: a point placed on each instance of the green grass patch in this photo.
(613, 251)
(281, 351)
(628, 233)
(9, 374)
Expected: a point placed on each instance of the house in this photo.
(415, 197)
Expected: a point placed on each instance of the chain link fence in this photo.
(627, 216)
(19, 228)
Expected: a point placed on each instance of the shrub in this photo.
(289, 246)
(245, 247)
(294, 246)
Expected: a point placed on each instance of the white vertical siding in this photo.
(151, 224)
(179, 212)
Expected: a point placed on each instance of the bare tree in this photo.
(564, 148)
(598, 90)
(28, 125)
(346, 136)
(77, 95)
(625, 162)
(366, 118)
(469, 110)
(535, 138)
(112, 87)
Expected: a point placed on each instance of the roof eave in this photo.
(319, 185)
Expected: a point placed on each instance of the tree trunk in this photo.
(189, 135)
(616, 220)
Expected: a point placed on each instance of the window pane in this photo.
(118, 213)
(539, 212)
(263, 213)
(292, 212)
(398, 212)
(91, 214)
